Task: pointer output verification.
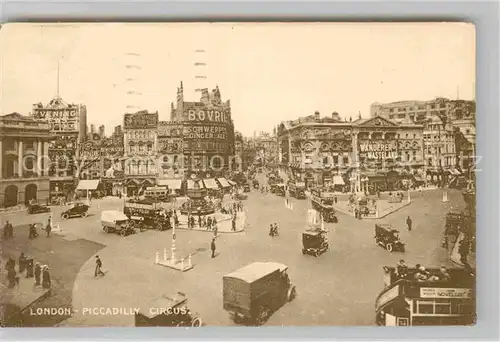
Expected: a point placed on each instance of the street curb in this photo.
(12, 212)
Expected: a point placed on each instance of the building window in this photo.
(433, 106)
(406, 135)
(29, 144)
(467, 131)
(391, 110)
(425, 307)
(335, 160)
(442, 309)
(414, 136)
(414, 156)
(345, 160)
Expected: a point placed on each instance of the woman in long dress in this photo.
(46, 283)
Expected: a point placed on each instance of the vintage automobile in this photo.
(255, 184)
(314, 242)
(77, 210)
(114, 221)
(454, 219)
(240, 196)
(280, 190)
(168, 312)
(388, 238)
(37, 209)
(246, 187)
(252, 293)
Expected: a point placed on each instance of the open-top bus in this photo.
(434, 301)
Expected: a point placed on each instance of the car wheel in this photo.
(292, 293)
(304, 251)
(65, 216)
(106, 229)
(123, 233)
(85, 214)
(196, 322)
(263, 315)
(389, 247)
(376, 241)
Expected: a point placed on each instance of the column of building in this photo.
(1, 159)
(20, 159)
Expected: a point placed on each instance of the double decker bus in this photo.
(323, 203)
(406, 301)
(160, 193)
(297, 189)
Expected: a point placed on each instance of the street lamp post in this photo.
(173, 235)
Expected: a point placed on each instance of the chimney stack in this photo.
(316, 115)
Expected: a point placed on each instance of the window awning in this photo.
(173, 184)
(338, 180)
(223, 182)
(88, 184)
(191, 183)
(210, 183)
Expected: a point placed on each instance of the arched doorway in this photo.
(10, 196)
(30, 193)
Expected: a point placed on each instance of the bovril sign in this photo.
(208, 115)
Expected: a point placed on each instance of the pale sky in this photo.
(271, 72)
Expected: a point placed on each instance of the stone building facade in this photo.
(24, 175)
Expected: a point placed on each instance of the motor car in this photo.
(314, 242)
(388, 238)
(168, 312)
(77, 210)
(114, 221)
(37, 209)
(254, 292)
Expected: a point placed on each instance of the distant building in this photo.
(102, 132)
(140, 132)
(68, 125)
(24, 173)
(207, 130)
(362, 155)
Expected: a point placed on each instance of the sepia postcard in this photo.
(237, 174)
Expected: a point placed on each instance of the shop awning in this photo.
(223, 182)
(338, 180)
(231, 182)
(210, 183)
(455, 172)
(191, 183)
(88, 184)
(173, 184)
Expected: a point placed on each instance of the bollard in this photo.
(165, 254)
(182, 263)
(376, 213)
(190, 262)
(157, 258)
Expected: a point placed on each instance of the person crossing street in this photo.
(409, 223)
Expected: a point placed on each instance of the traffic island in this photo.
(182, 264)
(384, 209)
(224, 224)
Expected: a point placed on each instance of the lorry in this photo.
(253, 292)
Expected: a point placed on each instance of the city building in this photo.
(238, 145)
(23, 170)
(439, 148)
(170, 149)
(208, 132)
(352, 156)
(140, 150)
(102, 133)
(420, 110)
(315, 150)
(68, 125)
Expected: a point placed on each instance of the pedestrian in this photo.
(212, 247)
(271, 230)
(199, 220)
(408, 223)
(32, 231)
(98, 266)
(8, 230)
(48, 229)
(214, 222)
(38, 274)
(355, 212)
(46, 283)
(215, 230)
(335, 199)
(233, 225)
(22, 262)
(209, 223)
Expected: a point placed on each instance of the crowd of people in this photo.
(30, 269)
(420, 273)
